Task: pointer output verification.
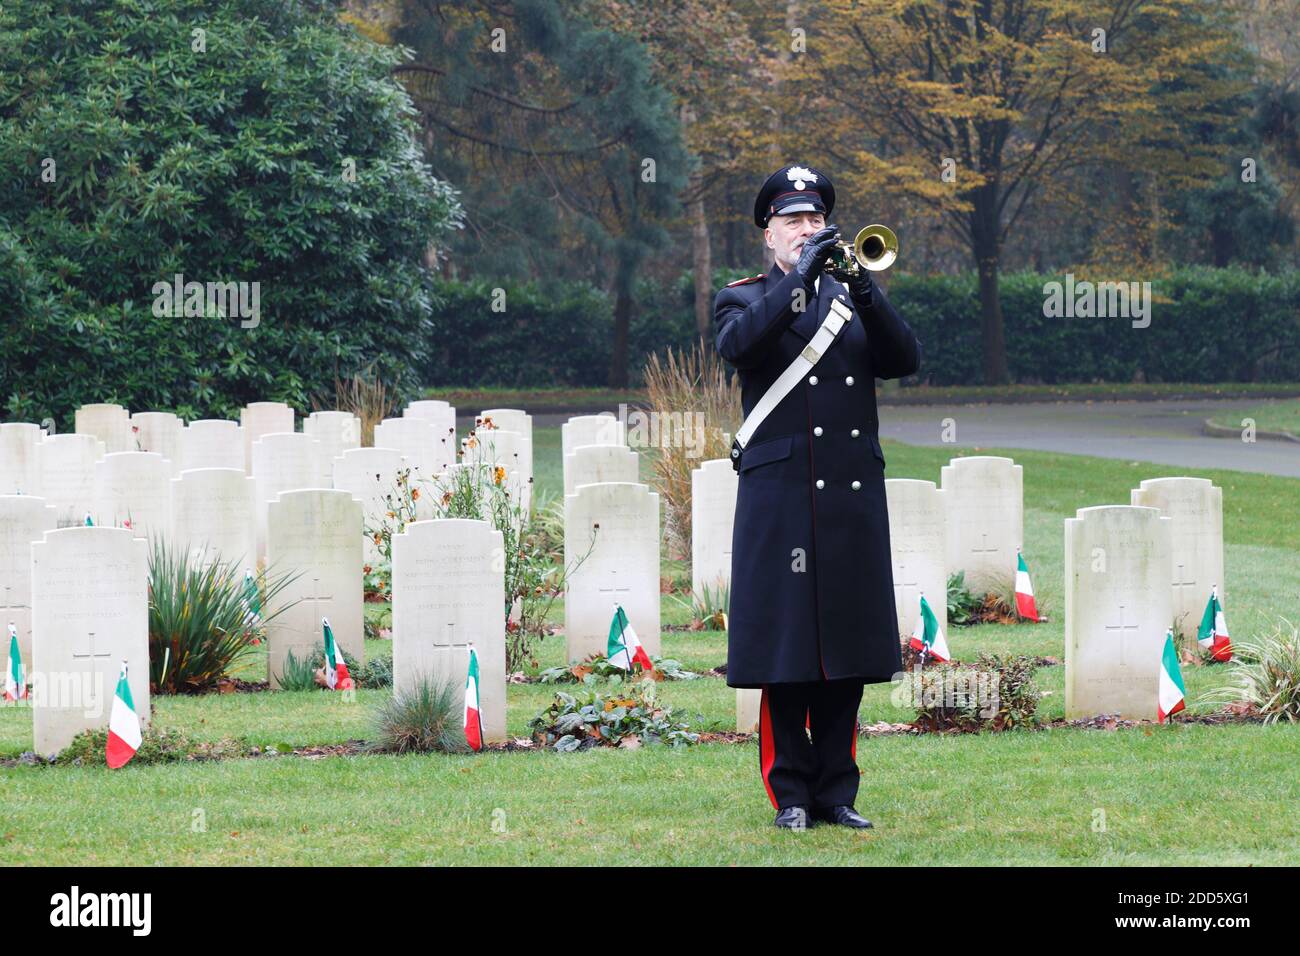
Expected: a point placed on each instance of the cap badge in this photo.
(800, 176)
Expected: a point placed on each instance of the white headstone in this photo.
(713, 517)
(442, 416)
(369, 475)
(315, 534)
(427, 408)
(337, 432)
(1118, 605)
(24, 519)
(160, 432)
(421, 441)
(749, 702)
(262, 418)
(602, 429)
(131, 490)
(18, 473)
(65, 468)
(212, 443)
(449, 591)
(214, 515)
(596, 464)
(512, 420)
(494, 446)
(985, 519)
(282, 461)
(622, 568)
(90, 612)
(1195, 507)
(111, 424)
(918, 549)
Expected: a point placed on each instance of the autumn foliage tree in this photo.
(980, 108)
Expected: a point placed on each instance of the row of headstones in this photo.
(85, 473)
(89, 609)
(973, 521)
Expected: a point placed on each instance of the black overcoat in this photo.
(812, 589)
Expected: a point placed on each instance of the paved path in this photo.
(1164, 432)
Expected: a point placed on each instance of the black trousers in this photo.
(817, 772)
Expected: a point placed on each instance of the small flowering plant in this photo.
(399, 511)
(480, 488)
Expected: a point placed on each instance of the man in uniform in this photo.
(812, 593)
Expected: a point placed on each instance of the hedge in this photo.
(1206, 325)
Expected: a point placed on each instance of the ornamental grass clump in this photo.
(421, 718)
(205, 617)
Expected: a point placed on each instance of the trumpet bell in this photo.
(875, 247)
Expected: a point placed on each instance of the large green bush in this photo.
(209, 138)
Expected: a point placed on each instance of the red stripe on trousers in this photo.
(766, 745)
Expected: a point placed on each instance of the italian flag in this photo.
(473, 719)
(15, 676)
(123, 725)
(89, 522)
(1025, 605)
(252, 600)
(336, 669)
(1172, 690)
(1212, 635)
(624, 648)
(927, 635)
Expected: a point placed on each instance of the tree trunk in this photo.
(984, 230)
(703, 268)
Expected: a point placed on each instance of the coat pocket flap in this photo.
(765, 453)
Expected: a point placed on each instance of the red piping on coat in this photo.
(766, 745)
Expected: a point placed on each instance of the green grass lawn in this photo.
(1278, 416)
(1151, 795)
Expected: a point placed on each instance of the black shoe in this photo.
(844, 815)
(794, 817)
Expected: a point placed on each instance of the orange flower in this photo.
(415, 494)
(376, 537)
(498, 474)
(446, 497)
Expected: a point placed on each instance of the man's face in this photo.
(786, 235)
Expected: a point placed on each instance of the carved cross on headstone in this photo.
(1179, 583)
(91, 656)
(1121, 627)
(9, 606)
(984, 539)
(901, 586)
(614, 589)
(316, 597)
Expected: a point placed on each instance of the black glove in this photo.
(860, 287)
(817, 248)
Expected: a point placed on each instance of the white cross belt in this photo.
(838, 317)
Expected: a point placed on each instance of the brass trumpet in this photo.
(873, 249)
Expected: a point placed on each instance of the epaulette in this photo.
(745, 281)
